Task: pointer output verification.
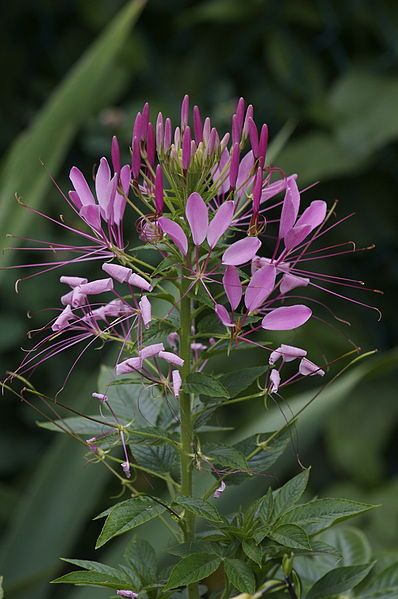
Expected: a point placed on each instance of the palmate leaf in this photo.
(225, 456)
(200, 508)
(339, 580)
(48, 138)
(320, 514)
(141, 562)
(240, 575)
(205, 384)
(155, 458)
(88, 578)
(290, 493)
(127, 515)
(290, 535)
(193, 568)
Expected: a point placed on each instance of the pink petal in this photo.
(91, 214)
(197, 215)
(171, 358)
(220, 223)
(287, 352)
(175, 232)
(223, 315)
(81, 186)
(314, 215)
(232, 286)
(72, 281)
(275, 380)
(129, 365)
(74, 196)
(308, 368)
(177, 382)
(245, 175)
(117, 272)
(295, 236)
(290, 208)
(277, 187)
(138, 281)
(241, 251)
(261, 285)
(286, 318)
(98, 286)
(63, 319)
(119, 203)
(146, 310)
(102, 180)
(290, 282)
(151, 350)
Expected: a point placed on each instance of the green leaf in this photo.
(382, 586)
(200, 508)
(1, 588)
(265, 508)
(86, 578)
(290, 493)
(290, 535)
(199, 383)
(240, 575)
(127, 515)
(48, 138)
(193, 568)
(319, 514)
(338, 581)
(351, 543)
(227, 456)
(80, 425)
(94, 567)
(156, 458)
(259, 455)
(142, 565)
(237, 381)
(252, 551)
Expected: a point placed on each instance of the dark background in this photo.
(325, 75)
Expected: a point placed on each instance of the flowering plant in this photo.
(232, 238)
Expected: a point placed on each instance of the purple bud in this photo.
(253, 134)
(234, 168)
(206, 129)
(212, 143)
(197, 125)
(235, 130)
(127, 594)
(220, 490)
(150, 144)
(308, 368)
(177, 137)
(262, 145)
(184, 112)
(167, 135)
(136, 158)
(137, 128)
(115, 153)
(159, 200)
(100, 396)
(126, 469)
(159, 133)
(223, 315)
(186, 148)
(249, 115)
(240, 114)
(145, 120)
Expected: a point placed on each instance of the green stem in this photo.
(186, 417)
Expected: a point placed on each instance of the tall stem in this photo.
(186, 417)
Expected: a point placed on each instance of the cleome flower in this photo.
(235, 226)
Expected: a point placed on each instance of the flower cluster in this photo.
(221, 216)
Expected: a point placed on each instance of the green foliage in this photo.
(240, 575)
(126, 516)
(338, 581)
(193, 568)
(199, 383)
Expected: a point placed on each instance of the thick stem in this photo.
(186, 417)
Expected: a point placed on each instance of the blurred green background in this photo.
(73, 74)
